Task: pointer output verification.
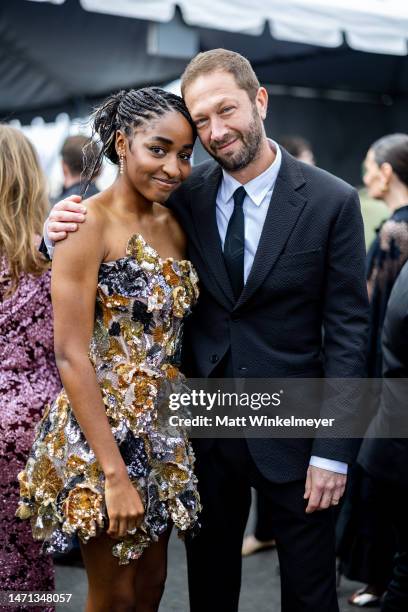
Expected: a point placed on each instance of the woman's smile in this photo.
(168, 184)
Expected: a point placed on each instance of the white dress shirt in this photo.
(47, 240)
(255, 206)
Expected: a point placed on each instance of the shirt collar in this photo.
(258, 187)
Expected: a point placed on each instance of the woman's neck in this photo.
(396, 198)
(127, 200)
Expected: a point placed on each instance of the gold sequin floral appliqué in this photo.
(141, 303)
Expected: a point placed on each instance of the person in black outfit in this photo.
(386, 459)
(73, 151)
(365, 540)
(279, 249)
(386, 178)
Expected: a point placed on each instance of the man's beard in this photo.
(248, 152)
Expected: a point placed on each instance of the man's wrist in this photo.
(329, 464)
(47, 241)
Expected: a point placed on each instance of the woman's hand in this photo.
(124, 506)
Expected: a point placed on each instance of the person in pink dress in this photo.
(28, 375)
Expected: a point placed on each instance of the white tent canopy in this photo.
(66, 56)
(378, 26)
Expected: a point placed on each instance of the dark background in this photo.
(56, 58)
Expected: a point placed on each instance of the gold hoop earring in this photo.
(121, 163)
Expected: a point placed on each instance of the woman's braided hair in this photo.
(126, 110)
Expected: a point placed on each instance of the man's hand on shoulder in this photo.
(64, 218)
(323, 489)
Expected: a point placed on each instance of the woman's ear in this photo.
(120, 143)
(386, 171)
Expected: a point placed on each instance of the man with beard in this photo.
(279, 248)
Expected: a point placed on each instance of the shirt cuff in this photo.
(48, 243)
(329, 464)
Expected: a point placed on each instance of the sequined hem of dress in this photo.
(135, 349)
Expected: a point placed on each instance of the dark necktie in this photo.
(234, 244)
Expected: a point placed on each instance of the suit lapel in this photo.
(284, 209)
(203, 206)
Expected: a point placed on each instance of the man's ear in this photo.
(261, 101)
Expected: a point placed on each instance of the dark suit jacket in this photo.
(383, 458)
(308, 274)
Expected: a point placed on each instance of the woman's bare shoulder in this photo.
(89, 236)
(169, 219)
(97, 215)
(96, 207)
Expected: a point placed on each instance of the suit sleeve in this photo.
(44, 249)
(47, 246)
(345, 320)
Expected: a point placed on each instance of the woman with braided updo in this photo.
(104, 466)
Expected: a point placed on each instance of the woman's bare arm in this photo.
(74, 282)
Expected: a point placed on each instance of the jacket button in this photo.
(242, 368)
(214, 358)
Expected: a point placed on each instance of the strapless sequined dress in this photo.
(135, 348)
